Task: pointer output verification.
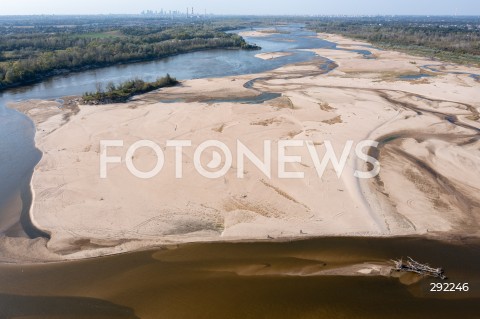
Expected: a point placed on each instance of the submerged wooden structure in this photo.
(422, 269)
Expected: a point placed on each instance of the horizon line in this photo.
(244, 15)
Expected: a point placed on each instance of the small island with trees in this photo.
(123, 92)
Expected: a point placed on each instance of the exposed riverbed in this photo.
(19, 155)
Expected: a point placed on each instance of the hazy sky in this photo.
(423, 7)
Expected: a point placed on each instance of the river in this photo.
(245, 280)
(214, 280)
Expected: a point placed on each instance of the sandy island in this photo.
(272, 55)
(429, 182)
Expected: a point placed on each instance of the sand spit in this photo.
(429, 153)
(259, 33)
(272, 55)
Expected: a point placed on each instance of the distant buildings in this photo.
(189, 13)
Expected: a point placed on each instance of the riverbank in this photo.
(428, 153)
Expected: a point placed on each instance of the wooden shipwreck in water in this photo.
(422, 269)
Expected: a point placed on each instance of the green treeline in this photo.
(122, 92)
(28, 57)
(450, 39)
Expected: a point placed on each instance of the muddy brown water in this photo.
(245, 280)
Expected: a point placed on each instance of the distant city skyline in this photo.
(258, 7)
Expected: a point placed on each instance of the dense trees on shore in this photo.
(31, 56)
(449, 38)
(34, 48)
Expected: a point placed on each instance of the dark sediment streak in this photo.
(14, 306)
(25, 219)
